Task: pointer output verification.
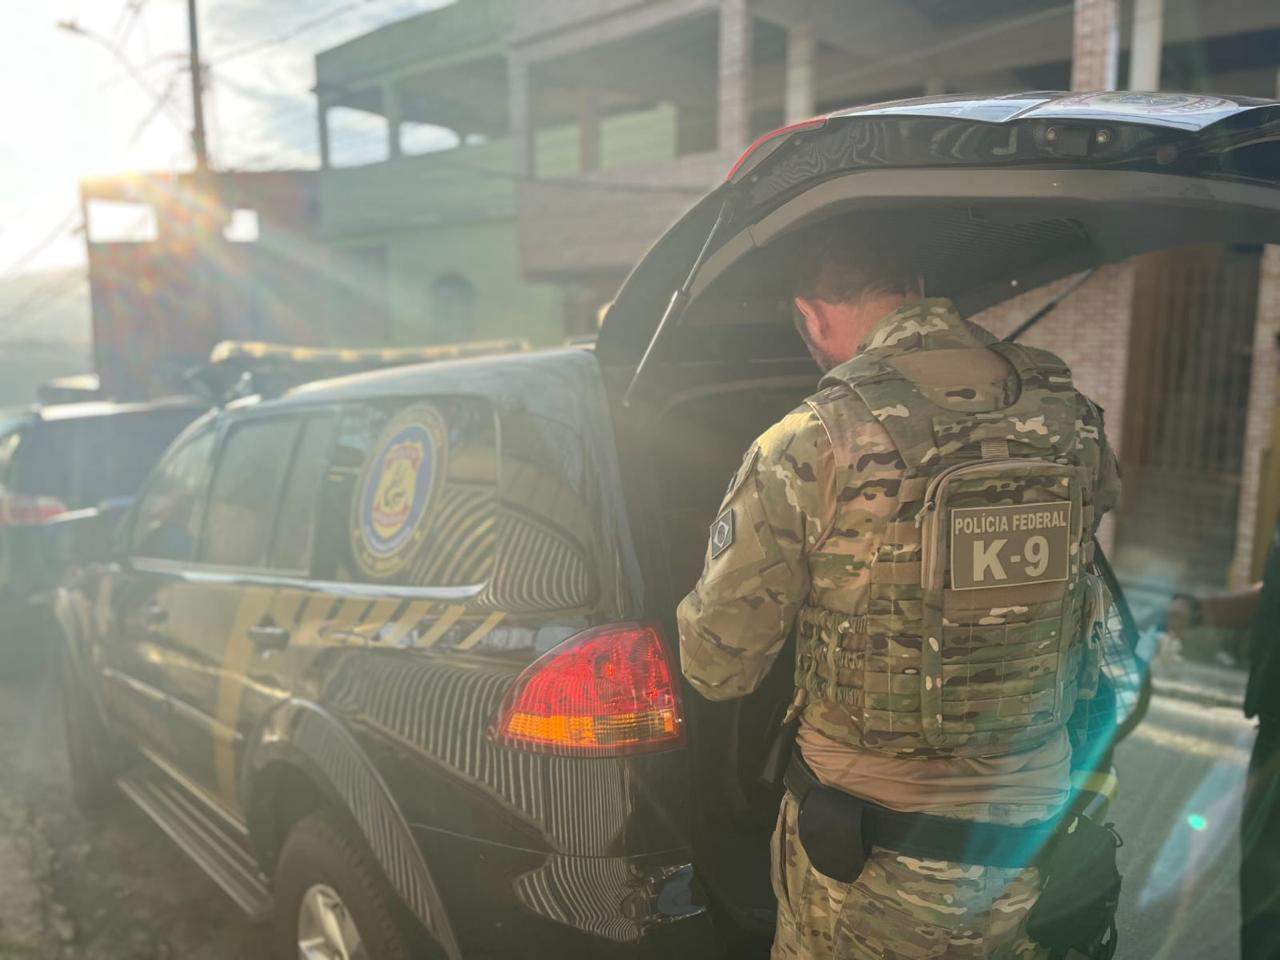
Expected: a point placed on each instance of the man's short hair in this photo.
(843, 261)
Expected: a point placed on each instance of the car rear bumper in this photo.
(503, 901)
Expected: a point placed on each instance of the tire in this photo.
(91, 752)
(320, 859)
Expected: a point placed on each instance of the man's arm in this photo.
(779, 505)
(1106, 490)
(1230, 610)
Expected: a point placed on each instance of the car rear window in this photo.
(411, 497)
(84, 461)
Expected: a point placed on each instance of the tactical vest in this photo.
(972, 636)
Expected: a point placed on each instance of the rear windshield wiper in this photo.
(679, 302)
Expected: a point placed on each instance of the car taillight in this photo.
(605, 692)
(750, 154)
(20, 509)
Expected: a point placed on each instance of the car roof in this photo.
(109, 408)
(516, 375)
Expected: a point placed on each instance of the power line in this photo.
(72, 26)
(129, 16)
(45, 242)
(294, 32)
(45, 296)
(70, 221)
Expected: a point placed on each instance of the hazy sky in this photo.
(71, 109)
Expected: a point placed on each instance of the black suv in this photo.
(394, 653)
(58, 463)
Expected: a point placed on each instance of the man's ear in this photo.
(814, 316)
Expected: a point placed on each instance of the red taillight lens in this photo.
(605, 692)
(814, 123)
(20, 509)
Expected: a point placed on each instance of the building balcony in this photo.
(466, 184)
(600, 223)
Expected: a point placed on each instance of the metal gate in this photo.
(1194, 311)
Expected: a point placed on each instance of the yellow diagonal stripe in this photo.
(347, 613)
(285, 606)
(379, 616)
(239, 651)
(406, 622)
(447, 620)
(482, 631)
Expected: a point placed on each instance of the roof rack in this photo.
(239, 368)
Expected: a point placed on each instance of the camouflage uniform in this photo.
(811, 522)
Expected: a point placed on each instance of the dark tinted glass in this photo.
(86, 460)
(545, 527)
(246, 491)
(295, 523)
(137, 441)
(411, 496)
(167, 523)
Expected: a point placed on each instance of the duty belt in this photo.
(919, 835)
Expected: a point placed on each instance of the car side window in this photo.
(167, 523)
(296, 520)
(411, 496)
(246, 491)
(130, 448)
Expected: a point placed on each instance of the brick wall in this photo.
(1264, 379)
(1095, 43)
(1090, 332)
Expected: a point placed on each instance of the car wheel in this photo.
(91, 752)
(331, 899)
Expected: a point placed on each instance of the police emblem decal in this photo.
(722, 533)
(397, 485)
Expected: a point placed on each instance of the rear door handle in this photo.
(267, 636)
(154, 615)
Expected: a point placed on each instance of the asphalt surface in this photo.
(108, 888)
(114, 888)
(1178, 809)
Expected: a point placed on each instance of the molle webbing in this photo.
(923, 669)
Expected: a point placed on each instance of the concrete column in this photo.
(520, 116)
(1259, 429)
(391, 110)
(322, 122)
(1148, 39)
(733, 128)
(800, 71)
(588, 132)
(1095, 45)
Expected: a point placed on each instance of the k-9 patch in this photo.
(391, 510)
(1011, 545)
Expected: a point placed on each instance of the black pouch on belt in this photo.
(830, 830)
(1075, 915)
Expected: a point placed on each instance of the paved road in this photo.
(1181, 781)
(117, 889)
(75, 889)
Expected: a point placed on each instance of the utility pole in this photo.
(198, 141)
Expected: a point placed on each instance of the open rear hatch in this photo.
(1009, 193)
(1004, 194)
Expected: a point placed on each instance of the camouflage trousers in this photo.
(899, 908)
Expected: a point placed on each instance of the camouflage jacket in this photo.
(796, 529)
